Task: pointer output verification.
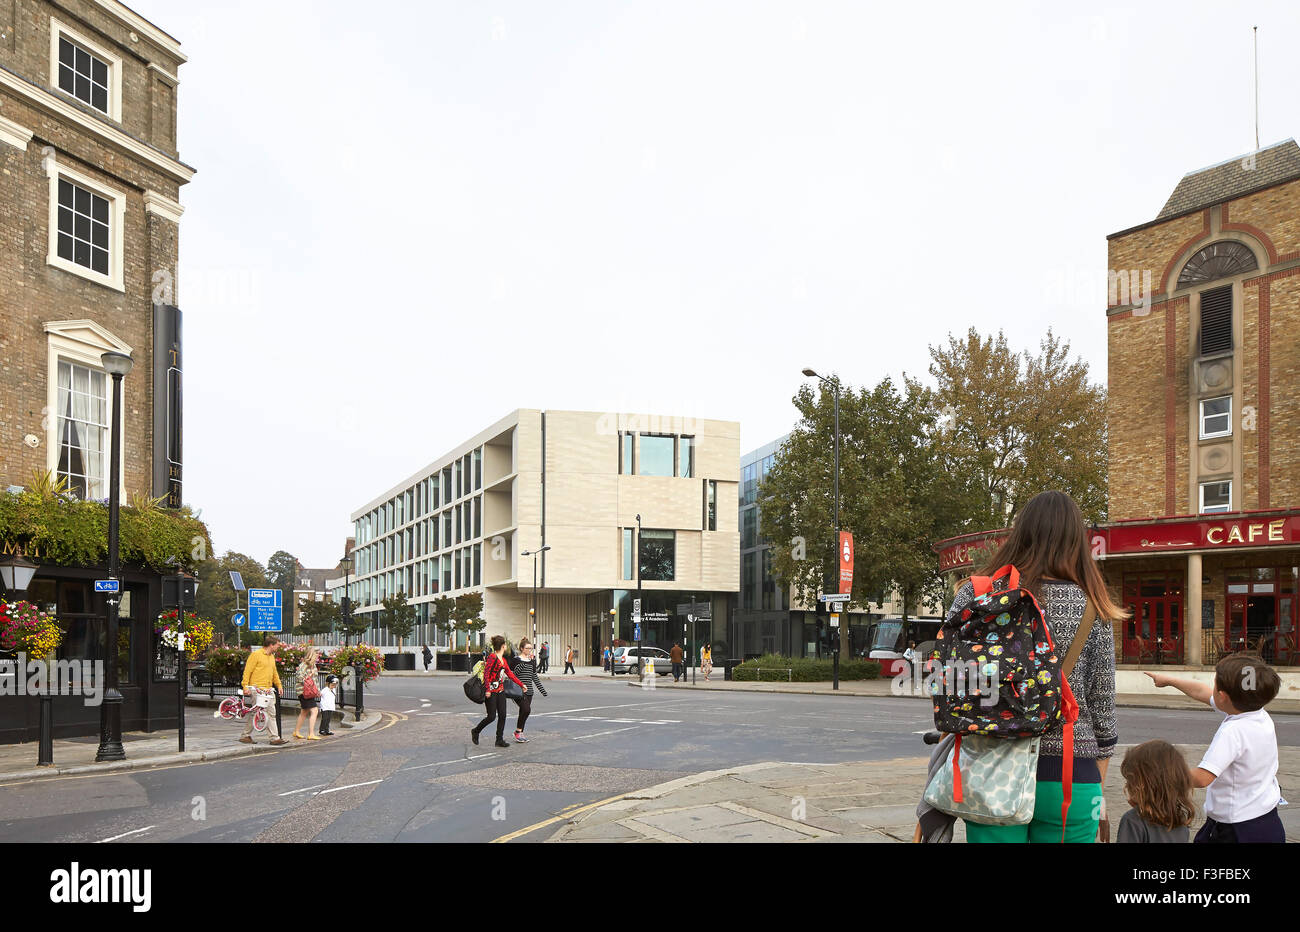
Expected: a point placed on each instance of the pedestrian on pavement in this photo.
(525, 667)
(911, 655)
(676, 656)
(428, 658)
(495, 672)
(260, 677)
(1239, 769)
(569, 655)
(1158, 786)
(308, 697)
(544, 658)
(605, 658)
(328, 703)
(706, 661)
(1049, 546)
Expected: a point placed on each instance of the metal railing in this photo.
(758, 671)
(202, 684)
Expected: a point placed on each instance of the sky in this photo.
(410, 219)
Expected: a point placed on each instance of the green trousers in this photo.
(1081, 821)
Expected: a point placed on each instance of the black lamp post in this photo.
(533, 613)
(613, 636)
(639, 616)
(117, 365)
(835, 389)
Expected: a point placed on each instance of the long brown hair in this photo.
(1158, 784)
(1050, 540)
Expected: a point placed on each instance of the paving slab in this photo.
(682, 821)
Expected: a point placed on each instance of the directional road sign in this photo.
(107, 585)
(238, 619)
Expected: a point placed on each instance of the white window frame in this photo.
(60, 30)
(1215, 509)
(82, 343)
(1220, 433)
(116, 232)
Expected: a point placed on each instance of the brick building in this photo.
(1204, 439)
(90, 179)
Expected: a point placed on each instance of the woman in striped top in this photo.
(525, 667)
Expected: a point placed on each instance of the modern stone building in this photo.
(574, 482)
(1204, 418)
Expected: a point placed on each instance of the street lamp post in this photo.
(835, 390)
(533, 613)
(638, 617)
(613, 636)
(117, 365)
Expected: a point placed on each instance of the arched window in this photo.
(1217, 260)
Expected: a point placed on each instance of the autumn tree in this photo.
(398, 617)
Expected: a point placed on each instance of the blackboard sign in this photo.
(1207, 613)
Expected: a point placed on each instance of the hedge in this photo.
(804, 669)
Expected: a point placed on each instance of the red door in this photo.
(1154, 633)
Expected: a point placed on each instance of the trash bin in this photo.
(728, 666)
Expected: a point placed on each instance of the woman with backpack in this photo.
(495, 672)
(1048, 545)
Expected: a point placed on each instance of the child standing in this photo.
(1239, 770)
(1159, 788)
(328, 702)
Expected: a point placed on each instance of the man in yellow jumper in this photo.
(260, 674)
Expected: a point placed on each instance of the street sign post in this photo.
(237, 619)
(107, 585)
(265, 610)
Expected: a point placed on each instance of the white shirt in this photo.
(327, 699)
(1243, 758)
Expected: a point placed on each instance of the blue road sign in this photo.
(636, 633)
(265, 610)
(106, 585)
(238, 619)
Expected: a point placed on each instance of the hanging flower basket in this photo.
(24, 628)
(198, 632)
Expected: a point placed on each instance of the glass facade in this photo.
(656, 457)
(658, 555)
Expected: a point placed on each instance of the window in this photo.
(478, 564)
(656, 455)
(1217, 260)
(1216, 320)
(1216, 497)
(749, 529)
(710, 505)
(82, 429)
(1216, 417)
(686, 457)
(478, 470)
(86, 71)
(627, 553)
(658, 555)
(625, 456)
(86, 222)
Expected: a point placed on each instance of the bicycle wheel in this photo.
(229, 708)
(259, 720)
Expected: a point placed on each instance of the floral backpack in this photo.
(1002, 640)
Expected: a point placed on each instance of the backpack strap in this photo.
(1080, 638)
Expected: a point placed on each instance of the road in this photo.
(417, 778)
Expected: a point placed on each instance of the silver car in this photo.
(626, 660)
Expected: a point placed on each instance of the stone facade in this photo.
(45, 134)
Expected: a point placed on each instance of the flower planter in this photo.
(401, 661)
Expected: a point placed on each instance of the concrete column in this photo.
(1192, 611)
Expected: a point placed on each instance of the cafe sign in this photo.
(1203, 534)
(962, 555)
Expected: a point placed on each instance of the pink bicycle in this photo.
(234, 707)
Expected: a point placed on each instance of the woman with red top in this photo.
(495, 672)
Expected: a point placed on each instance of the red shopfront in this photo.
(1197, 586)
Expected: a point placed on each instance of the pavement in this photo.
(206, 739)
(886, 688)
(872, 801)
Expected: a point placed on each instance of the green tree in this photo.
(354, 626)
(216, 597)
(317, 617)
(398, 617)
(1019, 424)
(441, 615)
(466, 612)
(282, 573)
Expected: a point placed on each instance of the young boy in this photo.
(328, 701)
(1239, 770)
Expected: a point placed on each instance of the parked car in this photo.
(626, 660)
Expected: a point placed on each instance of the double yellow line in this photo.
(564, 815)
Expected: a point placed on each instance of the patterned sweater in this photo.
(1093, 677)
(526, 670)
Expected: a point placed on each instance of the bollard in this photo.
(279, 729)
(45, 755)
(360, 697)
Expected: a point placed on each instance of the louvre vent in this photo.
(1216, 320)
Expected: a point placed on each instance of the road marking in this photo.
(599, 733)
(623, 705)
(408, 711)
(304, 789)
(124, 834)
(567, 814)
(349, 787)
(459, 760)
